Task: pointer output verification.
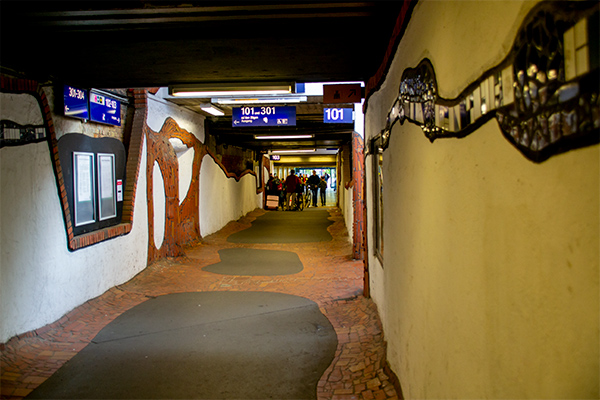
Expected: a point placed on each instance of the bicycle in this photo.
(308, 198)
(299, 202)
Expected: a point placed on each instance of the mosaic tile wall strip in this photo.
(544, 95)
(12, 134)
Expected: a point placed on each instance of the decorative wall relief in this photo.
(12, 134)
(182, 216)
(182, 221)
(544, 95)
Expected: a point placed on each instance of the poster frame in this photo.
(102, 176)
(90, 217)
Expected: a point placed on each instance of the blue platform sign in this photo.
(338, 115)
(263, 116)
(104, 109)
(75, 102)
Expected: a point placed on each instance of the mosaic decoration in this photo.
(12, 134)
(544, 95)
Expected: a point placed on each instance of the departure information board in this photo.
(75, 102)
(104, 109)
(263, 116)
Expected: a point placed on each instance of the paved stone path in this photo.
(330, 277)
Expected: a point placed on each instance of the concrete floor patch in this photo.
(256, 262)
(203, 345)
(305, 226)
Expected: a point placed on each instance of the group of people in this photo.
(288, 189)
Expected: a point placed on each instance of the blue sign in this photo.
(76, 102)
(263, 116)
(338, 115)
(104, 109)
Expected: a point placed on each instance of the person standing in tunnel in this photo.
(313, 185)
(322, 189)
(291, 183)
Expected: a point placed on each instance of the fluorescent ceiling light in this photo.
(295, 151)
(262, 100)
(209, 108)
(230, 89)
(276, 137)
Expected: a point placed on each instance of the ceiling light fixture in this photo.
(230, 89)
(294, 151)
(261, 100)
(278, 137)
(209, 108)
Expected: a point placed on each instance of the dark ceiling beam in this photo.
(151, 44)
(106, 18)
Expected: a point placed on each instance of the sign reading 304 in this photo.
(263, 116)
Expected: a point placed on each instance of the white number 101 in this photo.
(335, 113)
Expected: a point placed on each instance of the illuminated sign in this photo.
(275, 157)
(342, 93)
(263, 116)
(104, 109)
(338, 115)
(75, 102)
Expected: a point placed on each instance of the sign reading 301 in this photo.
(263, 116)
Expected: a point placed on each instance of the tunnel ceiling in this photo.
(155, 44)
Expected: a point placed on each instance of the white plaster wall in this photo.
(489, 287)
(223, 199)
(40, 279)
(348, 209)
(22, 109)
(159, 204)
(159, 109)
(265, 176)
(185, 161)
(376, 273)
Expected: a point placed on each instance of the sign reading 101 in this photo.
(338, 115)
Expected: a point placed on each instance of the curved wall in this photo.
(224, 199)
(41, 280)
(489, 283)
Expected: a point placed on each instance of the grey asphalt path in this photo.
(203, 345)
(305, 226)
(256, 262)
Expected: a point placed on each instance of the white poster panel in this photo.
(106, 186)
(83, 198)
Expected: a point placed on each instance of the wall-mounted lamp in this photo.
(230, 89)
(282, 137)
(209, 108)
(295, 151)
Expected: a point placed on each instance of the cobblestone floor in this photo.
(330, 277)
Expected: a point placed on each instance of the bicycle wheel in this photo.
(300, 202)
(308, 198)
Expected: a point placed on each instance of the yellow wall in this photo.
(489, 285)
